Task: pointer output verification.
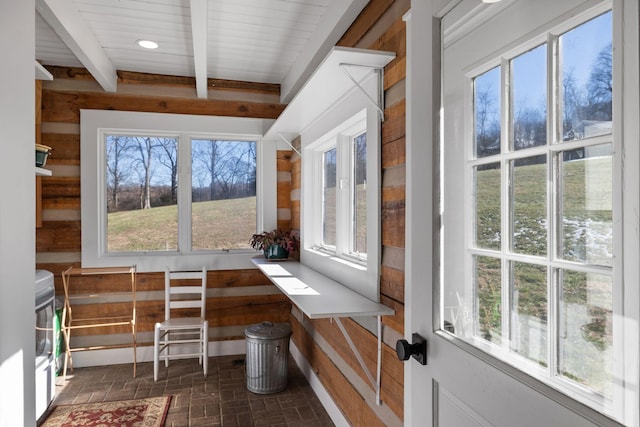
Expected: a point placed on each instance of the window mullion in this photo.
(505, 201)
(554, 126)
(184, 193)
(343, 208)
(506, 243)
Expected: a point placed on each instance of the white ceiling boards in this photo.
(263, 41)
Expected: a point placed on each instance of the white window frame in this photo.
(341, 139)
(95, 124)
(625, 130)
(353, 115)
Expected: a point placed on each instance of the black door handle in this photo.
(418, 349)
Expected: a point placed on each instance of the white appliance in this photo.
(45, 350)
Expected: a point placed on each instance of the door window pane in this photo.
(587, 205)
(359, 191)
(487, 205)
(586, 330)
(223, 193)
(329, 197)
(142, 210)
(587, 82)
(529, 98)
(488, 287)
(529, 205)
(529, 311)
(487, 113)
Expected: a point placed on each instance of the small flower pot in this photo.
(275, 252)
(42, 152)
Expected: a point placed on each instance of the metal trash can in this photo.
(267, 357)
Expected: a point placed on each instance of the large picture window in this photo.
(143, 173)
(177, 195)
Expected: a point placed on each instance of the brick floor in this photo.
(220, 399)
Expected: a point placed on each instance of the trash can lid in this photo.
(268, 330)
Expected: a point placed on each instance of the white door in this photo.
(522, 187)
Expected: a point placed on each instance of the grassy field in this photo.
(220, 224)
(585, 235)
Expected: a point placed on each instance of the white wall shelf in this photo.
(326, 86)
(42, 172)
(42, 73)
(320, 297)
(316, 295)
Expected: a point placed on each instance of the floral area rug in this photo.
(149, 412)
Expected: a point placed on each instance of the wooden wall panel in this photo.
(395, 322)
(58, 236)
(345, 396)
(367, 18)
(394, 122)
(366, 343)
(228, 311)
(284, 195)
(393, 213)
(65, 106)
(146, 282)
(283, 159)
(392, 283)
(394, 153)
(65, 148)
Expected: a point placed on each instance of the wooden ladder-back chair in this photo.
(189, 336)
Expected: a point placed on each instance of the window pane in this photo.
(487, 113)
(142, 213)
(529, 98)
(587, 197)
(223, 194)
(489, 298)
(529, 311)
(359, 243)
(586, 330)
(329, 197)
(529, 205)
(487, 205)
(587, 79)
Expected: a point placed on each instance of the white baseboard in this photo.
(116, 356)
(329, 405)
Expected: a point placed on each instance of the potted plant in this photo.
(276, 244)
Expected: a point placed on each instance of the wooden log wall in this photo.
(235, 298)
(379, 26)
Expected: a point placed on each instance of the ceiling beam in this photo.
(338, 18)
(65, 20)
(199, 19)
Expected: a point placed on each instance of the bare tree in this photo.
(169, 159)
(117, 169)
(600, 85)
(144, 147)
(487, 122)
(572, 106)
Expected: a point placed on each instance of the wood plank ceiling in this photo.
(266, 41)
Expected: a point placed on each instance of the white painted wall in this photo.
(17, 214)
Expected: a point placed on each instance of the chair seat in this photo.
(181, 323)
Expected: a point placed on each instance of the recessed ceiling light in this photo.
(490, 1)
(147, 44)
